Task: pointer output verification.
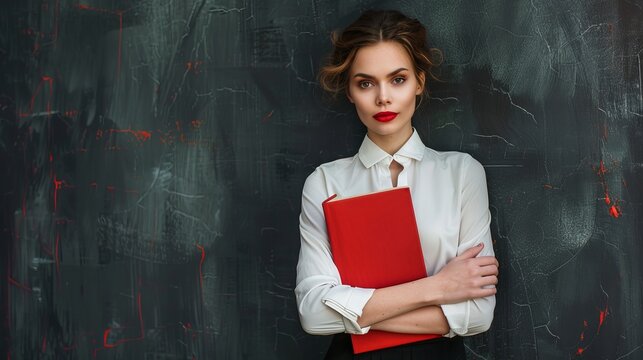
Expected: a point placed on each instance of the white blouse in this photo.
(450, 200)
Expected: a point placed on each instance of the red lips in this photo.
(385, 116)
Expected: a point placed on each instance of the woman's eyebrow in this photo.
(373, 77)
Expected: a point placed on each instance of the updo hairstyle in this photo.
(372, 27)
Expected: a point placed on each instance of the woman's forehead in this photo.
(381, 59)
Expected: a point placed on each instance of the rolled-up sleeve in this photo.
(325, 305)
(473, 316)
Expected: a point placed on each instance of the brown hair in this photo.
(372, 27)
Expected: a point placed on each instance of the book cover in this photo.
(375, 244)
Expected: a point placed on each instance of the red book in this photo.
(375, 244)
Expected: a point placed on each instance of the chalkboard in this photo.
(154, 153)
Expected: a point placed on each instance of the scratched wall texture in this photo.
(153, 154)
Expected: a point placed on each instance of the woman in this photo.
(381, 64)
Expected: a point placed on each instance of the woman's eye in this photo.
(364, 84)
(399, 80)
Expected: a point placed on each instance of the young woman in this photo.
(381, 64)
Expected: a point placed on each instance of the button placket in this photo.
(402, 178)
(385, 172)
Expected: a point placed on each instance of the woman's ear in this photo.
(421, 82)
(348, 95)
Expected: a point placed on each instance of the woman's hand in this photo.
(468, 277)
(465, 277)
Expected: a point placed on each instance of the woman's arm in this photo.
(425, 320)
(325, 305)
(475, 315)
(463, 278)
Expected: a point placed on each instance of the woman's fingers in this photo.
(484, 261)
(469, 277)
(484, 292)
(488, 270)
(470, 253)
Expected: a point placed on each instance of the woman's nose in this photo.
(383, 96)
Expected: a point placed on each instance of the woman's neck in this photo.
(393, 142)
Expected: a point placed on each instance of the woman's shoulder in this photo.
(338, 166)
(332, 170)
(450, 158)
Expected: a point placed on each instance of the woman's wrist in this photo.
(431, 290)
(425, 320)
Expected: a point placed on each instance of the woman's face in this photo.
(382, 84)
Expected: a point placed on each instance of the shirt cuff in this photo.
(349, 302)
(458, 317)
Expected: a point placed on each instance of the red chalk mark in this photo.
(193, 66)
(601, 168)
(58, 184)
(267, 117)
(581, 349)
(118, 13)
(71, 113)
(32, 102)
(613, 209)
(548, 187)
(182, 136)
(43, 347)
(141, 135)
(107, 345)
(582, 335)
(202, 250)
(187, 327)
(15, 283)
(164, 137)
(602, 315)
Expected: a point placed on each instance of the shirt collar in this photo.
(370, 154)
